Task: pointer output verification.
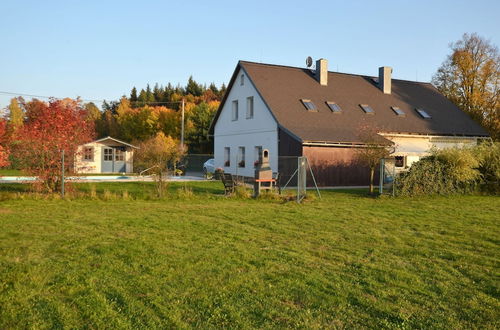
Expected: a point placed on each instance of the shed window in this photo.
(334, 107)
(424, 114)
(108, 154)
(398, 111)
(367, 109)
(88, 154)
(309, 104)
(250, 107)
(119, 155)
(227, 156)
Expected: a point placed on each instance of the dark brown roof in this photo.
(282, 88)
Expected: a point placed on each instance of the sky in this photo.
(101, 49)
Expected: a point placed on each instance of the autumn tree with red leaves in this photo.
(4, 151)
(49, 129)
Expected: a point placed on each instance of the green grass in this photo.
(9, 172)
(209, 261)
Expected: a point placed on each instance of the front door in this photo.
(107, 160)
(113, 160)
(119, 165)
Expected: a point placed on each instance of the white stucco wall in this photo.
(416, 146)
(261, 130)
(93, 167)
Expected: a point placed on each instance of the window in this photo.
(334, 107)
(367, 109)
(227, 156)
(250, 107)
(119, 155)
(241, 157)
(88, 154)
(242, 80)
(398, 111)
(108, 154)
(235, 110)
(309, 105)
(258, 156)
(399, 161)
(423, 113)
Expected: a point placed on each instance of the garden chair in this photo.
(228, 182)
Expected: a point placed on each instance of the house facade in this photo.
(106, 155)
(321, 115)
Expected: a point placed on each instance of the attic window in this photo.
(367, 109)
(334, 107)
(309, 105)
(242, 80)
(398, 111)
(423, 113)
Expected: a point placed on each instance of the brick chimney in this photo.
(322, 71)
(384, 79)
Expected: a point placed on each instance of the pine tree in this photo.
(193, 87)
(133, 96)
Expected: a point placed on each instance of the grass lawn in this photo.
(209, 261)
(9, 172)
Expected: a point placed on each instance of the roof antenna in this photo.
(309, 61)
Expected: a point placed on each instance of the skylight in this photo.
(398, 111)
(367, 109)
(334, 107)
(423, 113)
(309, 105)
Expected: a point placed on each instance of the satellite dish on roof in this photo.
(309, 61)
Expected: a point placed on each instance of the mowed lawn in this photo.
(208, 261)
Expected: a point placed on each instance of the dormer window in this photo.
(310, 106)
(398, 111)
(334, 107)
(367, 109)
(424, 114)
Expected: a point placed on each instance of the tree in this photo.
(160, 153)
(4, 150)
(56, 126)
(133, 96)
(93, 112)
(374, 148)
(16, 116)
(470, 78)
(193, 87)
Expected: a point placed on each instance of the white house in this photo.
(106, 155)
(319, 114)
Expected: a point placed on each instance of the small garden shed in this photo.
(106, 155)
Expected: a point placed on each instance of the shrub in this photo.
(488, 156)
(447, 171)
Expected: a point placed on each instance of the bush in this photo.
(447, 171)
(488, 155)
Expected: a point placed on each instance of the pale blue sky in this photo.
(100, 49)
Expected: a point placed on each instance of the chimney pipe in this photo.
(384, 79)
(322, 71)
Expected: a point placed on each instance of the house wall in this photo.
(261, 130)
(337, 166)
(413, 147)
(93, 167)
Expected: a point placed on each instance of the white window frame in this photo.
(234, 113)
(241, 157)
(250, 107)
(227, 156)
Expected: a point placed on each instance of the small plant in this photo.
(125, 195)
(93, 192)
(242, 192)
(185, 192)
(108, 195)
